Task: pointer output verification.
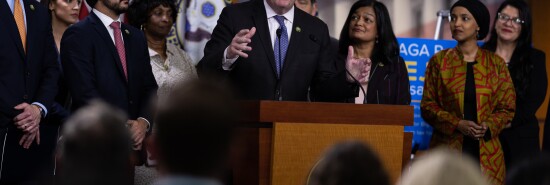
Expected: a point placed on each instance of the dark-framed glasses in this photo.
(505, 18)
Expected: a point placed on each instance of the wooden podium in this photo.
(284, 140)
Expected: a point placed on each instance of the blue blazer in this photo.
(92, 68)
(26, 77)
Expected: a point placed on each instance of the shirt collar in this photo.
(169, 50)
(270, 12)
(106, 20)
(152, 52)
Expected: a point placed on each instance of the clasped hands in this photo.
(138, 129)
(28, 121)
(472, 129)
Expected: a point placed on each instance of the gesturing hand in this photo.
(239, 44)
(359, 68)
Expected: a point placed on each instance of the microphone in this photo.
(278, 94)
(279, 32)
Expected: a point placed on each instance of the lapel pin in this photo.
(380, 64)
(298, 29)
(127, 32)
(32, 7)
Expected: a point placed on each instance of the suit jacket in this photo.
(307, 64)
(93, 69)
(26, 77)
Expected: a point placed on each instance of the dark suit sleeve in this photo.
(536, 92)
(149, 84)
(403, 85)
(50, 70)
(215, 47)
(330, 84)
(76, 58)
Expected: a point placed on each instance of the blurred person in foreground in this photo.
(533, 171)
(468, 95)
(442, 167)
(170, 63)
(367, 36)
(511, 39)
(95, 147)
(349, 163)
(194, 134)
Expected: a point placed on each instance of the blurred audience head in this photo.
(369, 22)
(442, 166)
(64, 11)
(308, 6)
(349, 163)
(532, 171)
(194, 131)
(154, 17)
(95, 147)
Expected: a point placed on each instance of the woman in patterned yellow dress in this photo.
(468, 95)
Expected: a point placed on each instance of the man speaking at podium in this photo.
(271, 50)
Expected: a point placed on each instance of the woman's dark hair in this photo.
(386, 49)
(520, 65)
(139, 11)
(46, 4)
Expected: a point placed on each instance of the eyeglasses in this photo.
(505, 18)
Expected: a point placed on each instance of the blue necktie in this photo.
(284, 45)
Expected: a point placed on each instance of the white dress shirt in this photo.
(273, 26)
(106, 20)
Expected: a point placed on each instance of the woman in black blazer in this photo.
(367, 38)
(511, 39)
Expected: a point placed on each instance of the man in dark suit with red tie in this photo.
(271, 50)
(28, 85)
(106, 59)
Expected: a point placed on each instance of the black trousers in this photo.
(27, 166)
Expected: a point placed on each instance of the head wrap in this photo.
(480, 13)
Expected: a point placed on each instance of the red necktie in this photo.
(119, 46)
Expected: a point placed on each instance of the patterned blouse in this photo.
(442, 104)
(178, 67)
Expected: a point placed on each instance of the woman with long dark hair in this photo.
(468, 95)
(367, 39)
(511, 39)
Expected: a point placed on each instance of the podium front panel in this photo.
(298, 146)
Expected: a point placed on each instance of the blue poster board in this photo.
(417, 53)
